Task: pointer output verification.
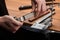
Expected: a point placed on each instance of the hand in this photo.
(9, 23)
(38, 6)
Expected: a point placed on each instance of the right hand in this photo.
(9, 23)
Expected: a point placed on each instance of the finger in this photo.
(17, 28)
(33, 5)
(10, 24)
(7, 27)
(13, 28)
(39, 5)
(44, 7)
(38, 9)
(6, 17)
(15, 21)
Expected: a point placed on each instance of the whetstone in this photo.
(33, 19)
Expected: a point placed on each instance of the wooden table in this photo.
(56, 20)
(13, 5)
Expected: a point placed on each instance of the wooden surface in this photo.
(56, 20)
(13, 5)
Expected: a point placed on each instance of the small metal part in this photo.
(38, 26)
(22, 19)
(15, 18)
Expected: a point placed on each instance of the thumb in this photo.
(18, 23)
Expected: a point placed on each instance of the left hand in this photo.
(38, 6)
